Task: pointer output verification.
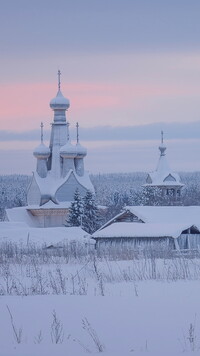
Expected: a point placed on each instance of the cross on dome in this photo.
(59, 80)
(162, 147)
(68, 131)
(77, 133)
(42, 135)
(162, 134)
(59, 102)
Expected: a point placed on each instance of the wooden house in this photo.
(174, 227)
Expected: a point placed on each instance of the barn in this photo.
(171, 227)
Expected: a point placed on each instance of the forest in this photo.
(113, 190)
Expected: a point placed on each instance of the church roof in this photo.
(163, 175)
(49, 185)
(68, 150)
(81, 150)
(59, 102)
(41, 150)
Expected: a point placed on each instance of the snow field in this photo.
(155, 322)
(139, 306)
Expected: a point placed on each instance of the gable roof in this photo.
(167, 214)
(135, 230)
(184, 215)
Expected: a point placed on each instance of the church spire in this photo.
(42, 135)
(59, 81)
(162, 147)
(77, 132)
(59, 104)
(68, 137)
(162, 136)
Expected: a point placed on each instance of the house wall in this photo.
(183, 242)
(189, 241)
(49, 218)
(159, 244)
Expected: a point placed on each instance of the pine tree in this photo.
(90, 220)
(75, 211)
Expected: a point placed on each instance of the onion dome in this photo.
(59, 102)
(81, 150)
(162, 149)
(41, 151)
(68, 150)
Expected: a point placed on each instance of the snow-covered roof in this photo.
(59, 102)
(19, 232)
(49, 185)
(167, 214)
(50, 205)
(134, 230)
(68, 150)
(81, 150)
(20, 215)
(41, 150)
(163, 175)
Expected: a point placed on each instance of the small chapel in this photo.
(59, 172)
(163, 178)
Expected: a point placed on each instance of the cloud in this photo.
(91, 25)
(118, 156)
(142, 132)
(116, 133)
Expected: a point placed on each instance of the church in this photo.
(163, 178)
(59, 172)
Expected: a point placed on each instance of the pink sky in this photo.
(123, 63)
(25, 105)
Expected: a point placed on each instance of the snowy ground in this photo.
(156, 322)
(143, 307)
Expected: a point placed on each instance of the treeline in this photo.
(13, 189)
(113, 190)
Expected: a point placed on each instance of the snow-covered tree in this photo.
(155, 196)
(90, 220)
(75, 211)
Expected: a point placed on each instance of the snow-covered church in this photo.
(163, 178)
(59, 172)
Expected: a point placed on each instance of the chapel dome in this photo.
(162, 149)
(59, 102)
(68, 150)
(41, 151)
(81, 150)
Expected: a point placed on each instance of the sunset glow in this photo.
(143, 72)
